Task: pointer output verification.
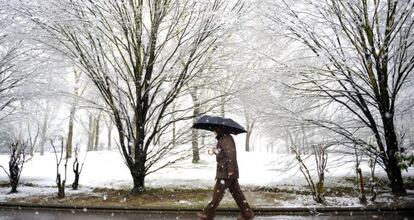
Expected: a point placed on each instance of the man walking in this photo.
(227, 175)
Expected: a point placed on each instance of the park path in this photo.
(16, 214)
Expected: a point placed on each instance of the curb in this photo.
(258, 211)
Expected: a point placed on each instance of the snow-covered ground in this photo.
(107, 169)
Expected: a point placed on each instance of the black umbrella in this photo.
(209, 122)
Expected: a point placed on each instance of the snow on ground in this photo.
(303, 200)
(27, 191)
(107, 169)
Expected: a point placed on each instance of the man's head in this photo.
(218, 130)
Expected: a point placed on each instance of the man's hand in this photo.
(231, 173)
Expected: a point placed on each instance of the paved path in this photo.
(16, 214)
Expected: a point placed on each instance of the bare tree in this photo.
(11, 77)
(363, 56)
(76, 94)
(196, 114)
(96, 130)
(359, 177)
(130, 51)
(90, 131)
(45, 124)
(19, 64)
(250, 122)
(373, 182)
(77, 170)
(18, 157)
(321, 159)
(109, 126)
(59, 155)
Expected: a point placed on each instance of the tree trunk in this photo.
(90, 133)
(76, 171)
(13, 188)
(395, 177)
(247, 144)
(392, 169)
(109, 138)
(69, 145)
(362, 198)
(249, 128)
(138, 177)
(61, 186)
(174, 129)
(96, 133)
(222, 107)
(43, 132)
(109, 125)
(194, 142)
(14, 177)
(194, 136)
(75, 183)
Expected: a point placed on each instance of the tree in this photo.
(76, 169)
(59, 156)
(363, 57)
(250, 122)
(109, 126)
(321, 159)
(130, 51)
(196, 114)
(26, 73)
(44, 124)
(69, 144)
(13, 75)
(18, 157)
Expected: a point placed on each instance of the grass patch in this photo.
(4, 184)
(151, 198)
(190, 198)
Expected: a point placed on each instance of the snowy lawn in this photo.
(270, 180)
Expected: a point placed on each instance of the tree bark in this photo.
(138, 177)
(249, 127)
(222, 107)
(69, 145)
(109, 144)
(90, 133)
(394, 174)
(247, 146)
(96, 132)
(392, 168)
(194, 132)
(76, 171)
(43, 132)
(174, 128)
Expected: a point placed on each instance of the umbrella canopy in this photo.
(209, 122)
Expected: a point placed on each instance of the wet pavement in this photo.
(12, 214)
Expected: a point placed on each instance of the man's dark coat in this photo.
(226, 157)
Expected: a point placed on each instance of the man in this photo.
(227, 175)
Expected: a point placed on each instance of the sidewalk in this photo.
(184, 210)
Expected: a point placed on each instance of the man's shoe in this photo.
(246, 216)
(204, 216)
